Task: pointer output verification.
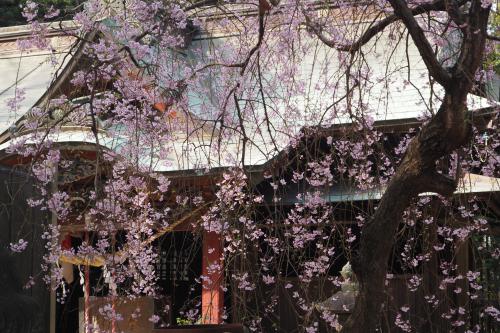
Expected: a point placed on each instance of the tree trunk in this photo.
(447, 131)
(415, 175)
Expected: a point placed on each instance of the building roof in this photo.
(399, 91)
(30, 71)
(468, 184)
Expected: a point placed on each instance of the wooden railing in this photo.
(227, 328)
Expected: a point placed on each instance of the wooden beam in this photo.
(98, 261)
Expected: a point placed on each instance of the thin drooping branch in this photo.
(264, 104)
(242, 129)
(260, 38)
(423, 45)
(242, 65)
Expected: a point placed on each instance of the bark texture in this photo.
(447, 131)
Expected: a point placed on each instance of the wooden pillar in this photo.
(462, 261)
(67, 268)
(53, 286)
(430, 271)
(86, 293)
(430, 274)
(212, 295)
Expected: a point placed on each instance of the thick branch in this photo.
(472, 49)
(439, 183)
(437, 5)
(379, 26)
(423, 45)
(453, 10)
(495, 38)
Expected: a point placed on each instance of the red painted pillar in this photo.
(67, 268)
(212, 295)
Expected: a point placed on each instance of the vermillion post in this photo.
(212, 295)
